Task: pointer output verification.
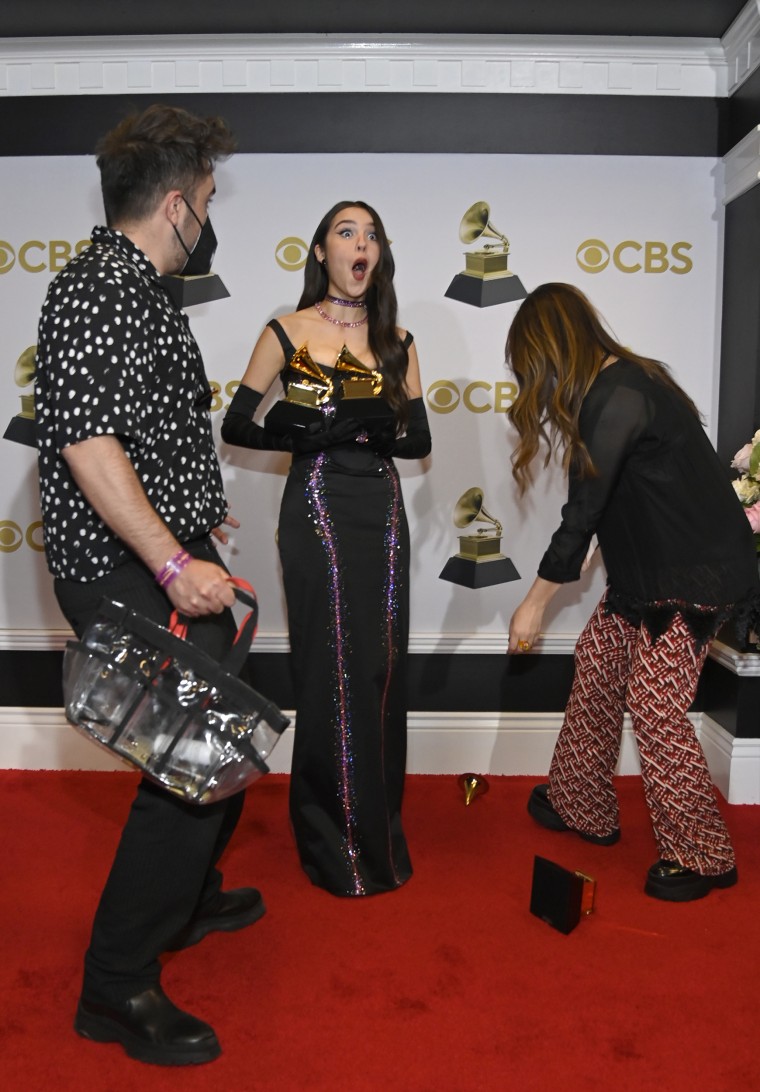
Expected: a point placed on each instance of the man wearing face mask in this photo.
(131, 495)
(201, 255)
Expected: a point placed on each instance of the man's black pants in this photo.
(165, 863)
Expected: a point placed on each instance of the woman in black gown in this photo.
(344, 547)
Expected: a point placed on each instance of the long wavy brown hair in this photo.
(556, 347)
(382, 307)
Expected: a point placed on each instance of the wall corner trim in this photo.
(741, 46)
(742, 166)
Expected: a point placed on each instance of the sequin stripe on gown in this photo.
(344, 546)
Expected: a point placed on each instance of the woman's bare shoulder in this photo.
(298, 324)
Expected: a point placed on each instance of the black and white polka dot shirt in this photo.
(116, 357)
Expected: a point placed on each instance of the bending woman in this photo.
(680, 560)
(344, 546)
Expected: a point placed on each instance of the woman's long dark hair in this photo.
(556, 347)
(381, 307)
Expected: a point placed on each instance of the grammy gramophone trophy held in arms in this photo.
(486, 279)
(479, 562)
(361, 393)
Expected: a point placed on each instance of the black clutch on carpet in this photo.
(560, 897)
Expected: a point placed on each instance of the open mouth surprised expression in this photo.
(352, 251)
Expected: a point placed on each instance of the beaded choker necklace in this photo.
(345, 303)
(337, 321)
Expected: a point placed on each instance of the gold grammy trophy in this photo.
(486, 279)
(21, 428)
(361, 390)
(479, 562)
(300, 408)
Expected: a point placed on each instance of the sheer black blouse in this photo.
(671, 529)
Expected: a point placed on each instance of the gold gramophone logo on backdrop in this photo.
(21, 427)
(479, 562)
(486, 279)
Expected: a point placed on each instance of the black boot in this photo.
(150, 1028)
(230, 911)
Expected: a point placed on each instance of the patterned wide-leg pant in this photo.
(618, 665)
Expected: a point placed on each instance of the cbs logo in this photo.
(13, 537)
(594, 255)
(291, 253)
(217, 401)
(36, 257)
(444, 396)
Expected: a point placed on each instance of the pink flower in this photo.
(741, 458)
(753, 515)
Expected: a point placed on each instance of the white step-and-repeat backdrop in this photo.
(641, 236)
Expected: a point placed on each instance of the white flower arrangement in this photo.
(747, 485)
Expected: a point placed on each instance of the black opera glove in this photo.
(414, 444)
(239, 429)
(316, 437)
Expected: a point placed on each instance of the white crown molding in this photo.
(741, 45)
(471, 64)
(742, 166)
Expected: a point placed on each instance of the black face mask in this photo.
(199, 259)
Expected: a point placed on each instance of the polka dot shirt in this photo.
(116, 357)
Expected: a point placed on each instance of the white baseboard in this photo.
(438, 743)
(734, 763)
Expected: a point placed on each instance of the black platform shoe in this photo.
(540, 809)
(672, 882)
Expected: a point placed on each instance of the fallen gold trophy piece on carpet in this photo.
(473, 785)
(560, 896)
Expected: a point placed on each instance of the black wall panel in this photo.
(739, 399)
(694, 18)
(389, 122)
(743, 114)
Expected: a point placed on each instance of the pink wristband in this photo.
(172, 568)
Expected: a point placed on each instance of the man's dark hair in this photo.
(148, 154)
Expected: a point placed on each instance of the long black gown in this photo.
(344, 548)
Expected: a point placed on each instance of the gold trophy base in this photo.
(486, 291)
(486, 264)
(480, 547)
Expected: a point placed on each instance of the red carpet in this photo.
(448, 984)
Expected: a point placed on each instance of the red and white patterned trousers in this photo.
(617, 665)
